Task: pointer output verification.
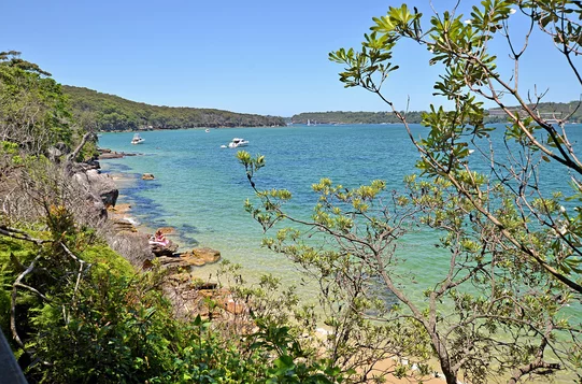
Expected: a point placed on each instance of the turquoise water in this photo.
(200, 188)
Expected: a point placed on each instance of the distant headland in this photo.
(550, 110)
(104, 112)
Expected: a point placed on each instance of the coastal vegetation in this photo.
(103, 112)
(83, 302)
(77, 302)
(501, 312)
(348, 118)
(550, 111)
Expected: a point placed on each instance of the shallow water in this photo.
(200, 188)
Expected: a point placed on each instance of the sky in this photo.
(254, 56)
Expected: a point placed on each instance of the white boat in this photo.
(137, 139)
(207, 130)
(237, 142)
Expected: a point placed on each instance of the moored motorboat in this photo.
(238, 142)
(137, 139)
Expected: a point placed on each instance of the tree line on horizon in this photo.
(493, 116)
(104, 112)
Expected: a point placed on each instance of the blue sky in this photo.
(254, 56)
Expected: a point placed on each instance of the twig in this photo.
(16, 284)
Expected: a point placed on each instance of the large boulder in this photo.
(99, 185)
(204, 255)
(104, 186)
(164, 250)
(195, 258)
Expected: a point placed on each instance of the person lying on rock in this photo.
(159, 238)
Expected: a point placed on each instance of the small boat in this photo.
(236, 142)
(207, 130)
(137, 139)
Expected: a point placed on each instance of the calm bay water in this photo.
(200, 188)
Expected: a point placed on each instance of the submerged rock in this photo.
(166, 230)
(202, 255)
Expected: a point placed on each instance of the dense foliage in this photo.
(105, 112)
(33, 111)
(75, 311)
(78, 320)
(508, 244)
(503, 209)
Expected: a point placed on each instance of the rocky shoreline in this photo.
(181, 279)
(181, 283)
(105, 154)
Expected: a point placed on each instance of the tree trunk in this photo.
(450, 375)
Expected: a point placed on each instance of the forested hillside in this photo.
(352, 118)
(495, 115)
(108, 112)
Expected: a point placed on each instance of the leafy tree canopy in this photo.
(33, 110)
(508, 242)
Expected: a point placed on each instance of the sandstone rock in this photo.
(124, 225)
(188, 294)
(207, 314)
(111, 155)
(205, 255)
(165, 250)
(206, 292)
(196, 258)
(235, 307)
(120, 209)
(147, 176)
(179, 278)
(166, 230)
